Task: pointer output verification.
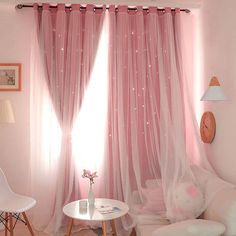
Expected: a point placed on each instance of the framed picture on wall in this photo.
(10, 77)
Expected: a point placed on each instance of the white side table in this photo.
(92, 213)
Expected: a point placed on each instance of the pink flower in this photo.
(89, 175)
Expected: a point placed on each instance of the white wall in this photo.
(14, 138)
(219, 41)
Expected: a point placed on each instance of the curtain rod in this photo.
(20, 6)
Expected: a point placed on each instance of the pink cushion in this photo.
(188, 202)
(153, 200)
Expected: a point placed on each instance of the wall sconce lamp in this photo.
(6, 112)
(214, 92)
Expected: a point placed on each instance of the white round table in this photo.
(103, 210)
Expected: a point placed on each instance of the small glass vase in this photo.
(91, 198)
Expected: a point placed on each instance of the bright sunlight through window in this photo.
(90, 129)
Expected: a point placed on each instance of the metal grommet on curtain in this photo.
(75, 7)
(90, 7)
(152, 9)
(61, 7)
(112, 8)
(122, 8)
(46, 6)
(167, 10)
(177, 10)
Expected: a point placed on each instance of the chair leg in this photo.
(11, 224)
(28, 224)
(6, 223)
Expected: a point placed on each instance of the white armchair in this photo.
(218, 219)
(222, 209)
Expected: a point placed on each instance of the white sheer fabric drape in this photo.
(151, 119)
(65, 45)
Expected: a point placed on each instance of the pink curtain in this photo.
(68, 42)
(150, 120)
(149, 115)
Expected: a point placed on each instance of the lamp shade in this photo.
(6, 112)
(214, 92)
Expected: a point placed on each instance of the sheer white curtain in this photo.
(149, 121)
(150, 117)
(65, 45)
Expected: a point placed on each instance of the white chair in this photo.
(12, 205)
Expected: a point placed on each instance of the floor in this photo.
(21, 230)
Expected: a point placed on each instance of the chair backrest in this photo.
(4, 186)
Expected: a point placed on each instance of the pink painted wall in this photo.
(14, 138)
(219, 41)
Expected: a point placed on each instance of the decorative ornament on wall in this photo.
(208, 127)
(10, 77)
(208, 124)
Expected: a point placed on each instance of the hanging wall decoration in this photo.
(10, 77)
